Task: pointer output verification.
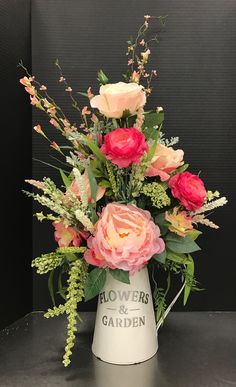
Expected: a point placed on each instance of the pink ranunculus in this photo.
(74, 188)
(189, 189)
(125, 238)
(165, 161)
(66, 235)
(124, 146)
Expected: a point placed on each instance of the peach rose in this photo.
(125, 238)
(74, 188)
(115, 98)
(165, 161)
(65, 235)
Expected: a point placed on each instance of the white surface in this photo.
(125, 329)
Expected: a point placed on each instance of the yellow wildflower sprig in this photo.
(157, 193)
(111, 177)
(75, 294)
(47, 262)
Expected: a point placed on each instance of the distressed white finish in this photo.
(125, 329)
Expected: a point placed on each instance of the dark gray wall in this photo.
(15, 153)
(196, 61)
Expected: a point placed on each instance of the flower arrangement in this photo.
(128, 199)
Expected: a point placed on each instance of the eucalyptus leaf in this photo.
(160, 220)
(160, 257)
(120, 275)
(94, 283)
(179, 244)
(194, 234)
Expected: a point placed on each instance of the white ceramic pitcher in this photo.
(125, 329)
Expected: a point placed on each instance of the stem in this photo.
(160, 322)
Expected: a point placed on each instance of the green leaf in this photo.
(50, 286)
(120, 275)
(66, 147)
(93, 184)
(160, 220)
(179, 244)
(61, 289)
(178, 258)
(94, 148)
(102, 78)
(93, 214)
(82, 93)
(115, 123)
(131, 120)
(152, 149)
(180, 169)
(70, 257)
(94, 283)
(49, 165)
(97, 168)
(65, 179)
(160, 257)
(154, 119)
(190, 273)
(126, 113)
(194, 234)
(104, 184)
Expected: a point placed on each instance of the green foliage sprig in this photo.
(157, 193)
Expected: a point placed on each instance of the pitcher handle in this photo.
(165, 314)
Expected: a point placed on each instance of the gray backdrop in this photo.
(196, 61)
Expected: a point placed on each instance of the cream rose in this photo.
(115, 98)
(165, 161)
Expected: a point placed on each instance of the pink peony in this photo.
(66, 235)
(125, 238)
(189, 189)
(165, 161)
(124, 146)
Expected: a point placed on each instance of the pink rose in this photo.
(124, 146)
(66, 235)
(189, 189)
(74, 188)
(115, 98)
(125, 238)
(165, 161)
